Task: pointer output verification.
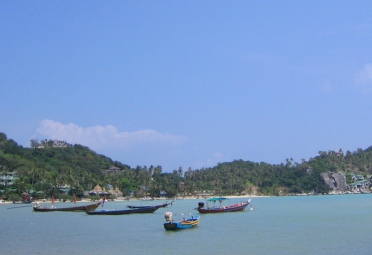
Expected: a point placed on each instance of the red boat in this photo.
(221, 208)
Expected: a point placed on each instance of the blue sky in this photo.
(188, 83)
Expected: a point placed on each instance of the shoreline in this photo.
(2, 202)
(135, 199)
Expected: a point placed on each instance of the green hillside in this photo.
(49, 165)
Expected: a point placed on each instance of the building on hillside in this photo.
(357, 177)
(98, 191)
(112, 170)
(26, 196)
(163, 193)
(359, 183)
(43, 144)
(8, 178)
(64, 188)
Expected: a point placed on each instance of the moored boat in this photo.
(82, 208)
(190, 222)
(149, 209)
(148, 206)
(221, 208)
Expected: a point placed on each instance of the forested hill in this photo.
(46, 166)
(53, 164)
(289, 177)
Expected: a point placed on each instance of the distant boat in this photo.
(147, 206)
(221, 208)
(149, 209)
(81, 208)
(191, 222)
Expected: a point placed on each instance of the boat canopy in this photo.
(214, 199)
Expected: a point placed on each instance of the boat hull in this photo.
(233, 208)
(189, 223)
(149, 206)
(120, 212)
(82, 208)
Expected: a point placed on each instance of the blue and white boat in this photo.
(190, 222)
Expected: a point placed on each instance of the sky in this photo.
(188, 84)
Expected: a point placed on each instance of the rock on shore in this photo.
(335, 181)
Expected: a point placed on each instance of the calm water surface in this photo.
(338, 224)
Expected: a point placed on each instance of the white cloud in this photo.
(364, 78)
(102, 137)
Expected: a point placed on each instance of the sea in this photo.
(325, 224)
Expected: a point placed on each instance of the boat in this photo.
(81, 208)
(149, 209)
(191, 222)
(221, 208)
(147, 206)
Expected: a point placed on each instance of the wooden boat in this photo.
(81, 208)
(221, 208)
(149, 209)
(191, 222)
(147, 206)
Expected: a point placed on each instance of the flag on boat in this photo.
(52, 200)
(103, 200)
(74, 199)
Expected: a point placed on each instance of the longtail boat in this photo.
(81, 208)
(149, 209)
(147, 206)
(191, 222)
(221, 208)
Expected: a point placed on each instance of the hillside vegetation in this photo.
(45, 168)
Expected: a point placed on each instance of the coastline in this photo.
(134, 199)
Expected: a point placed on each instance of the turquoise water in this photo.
(338, 224)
